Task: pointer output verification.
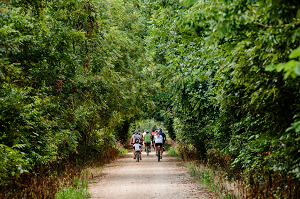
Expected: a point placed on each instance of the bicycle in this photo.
(137, 154)
(147, 148)
(158, 153)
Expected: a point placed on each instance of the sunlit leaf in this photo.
(295, 53)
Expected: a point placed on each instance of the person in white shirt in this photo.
(135, 139)
(137, 148)
(158, 142)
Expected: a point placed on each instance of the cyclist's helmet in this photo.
(135, 131)
(147, 131)
(136, 141)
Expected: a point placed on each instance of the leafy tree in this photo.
(211, 57)
(68, 70)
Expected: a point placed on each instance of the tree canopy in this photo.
(215, 61)
(221, 75)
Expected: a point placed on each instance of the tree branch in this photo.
(285, 25)
(263, 25)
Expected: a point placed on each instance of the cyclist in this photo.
(134, 139)
(158, 142)
(137, 148)
(141, 135)
(143, 139)
(147, 140)
(164, 137)
(153, 134)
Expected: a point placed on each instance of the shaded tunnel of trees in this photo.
(222, 77)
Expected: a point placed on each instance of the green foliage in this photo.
(71, 80)
(149, 124)
(13, 163)
(76, 76)
(211, 59)
(291, 68)
(122, 152)
(78, 190)
(172, 151)
(211, 180)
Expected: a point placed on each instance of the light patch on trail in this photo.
(126, 178)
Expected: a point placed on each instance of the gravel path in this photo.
(126, 178)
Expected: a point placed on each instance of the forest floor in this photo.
(126, 178)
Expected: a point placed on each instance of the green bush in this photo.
(12, 163)
(78, 190)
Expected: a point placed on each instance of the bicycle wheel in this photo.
(137, 156)
(158, 153)
(147, 150)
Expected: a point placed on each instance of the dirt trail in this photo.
(126, 178)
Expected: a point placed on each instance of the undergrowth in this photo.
(216, 173)
(172, 151)
(77, 190)
(211, 180)
(57, 179)
(122, 151)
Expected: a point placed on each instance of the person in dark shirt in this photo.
(164, 137)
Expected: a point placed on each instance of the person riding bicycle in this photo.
(153, 134)
(147, 140)
(134, 139)
(143, 138)
(137, 148)
(164, 137)
(158, 142)
(141, 135)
